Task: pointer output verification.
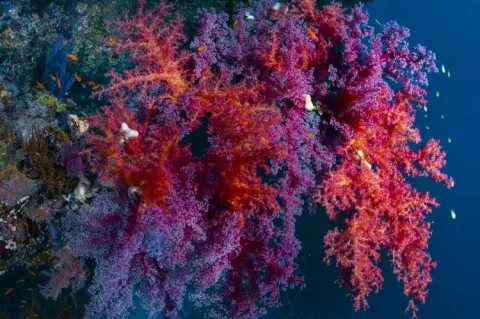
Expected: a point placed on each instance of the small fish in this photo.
(234, 23)
(35, 315)
(277, 5)
(91, 83)
(111, 38)
(42, 213)
(77, 77)
(21, 281)
(449, 140)
(443, 69)
(427, 127)
(30, 289)
(84, 86)
(8, 291)
(53, 77)
(59, 84)
(72, 56)
(201, 48)
(7, 30)
(39, 85)
(438, 94)
(453, 183)
(425, 108)
(448, 73)
(426, 116)
(31, 272)
(452, 213)
(433, 222)
(9, 77)
(96, 86)
(442, 116)
(7, 42)
(311, 33)
(378, 23)
(23, 301)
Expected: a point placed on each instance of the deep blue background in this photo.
(452, 30)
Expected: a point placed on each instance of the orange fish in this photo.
(234, 23)
(21, 281)
(201, 48)
(30, 289)
(77, 77)
(59, 84)
(42, 213)
(91, 83)
(7, 42)
(8, 291)
(311, 34)
(35, 315)
(7, 30)
(72, 56)
(53, 77)
(96, 86)
(112, 38)
(39, 85)
(31, 272)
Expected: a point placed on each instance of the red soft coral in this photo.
(383, 209)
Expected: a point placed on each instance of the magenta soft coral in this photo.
(213, 221)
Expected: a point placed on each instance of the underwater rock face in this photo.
(16, 187)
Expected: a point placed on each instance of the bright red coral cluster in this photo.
(223, 221)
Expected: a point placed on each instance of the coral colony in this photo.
(299, 105)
